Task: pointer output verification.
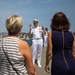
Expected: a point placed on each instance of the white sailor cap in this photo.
(35, 20)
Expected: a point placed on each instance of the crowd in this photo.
(16, 57)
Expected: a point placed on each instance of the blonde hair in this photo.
(14, 24)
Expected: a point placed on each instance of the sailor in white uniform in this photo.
(46, 37)
(37, 43)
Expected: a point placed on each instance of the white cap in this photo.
(35, 20)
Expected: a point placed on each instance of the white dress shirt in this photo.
(37, 32)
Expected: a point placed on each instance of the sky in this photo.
(43, 10)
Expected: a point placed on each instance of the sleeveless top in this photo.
(57, 40)
(10, 46)
(63, 62)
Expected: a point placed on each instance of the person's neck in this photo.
(12, 35)
(36, 26)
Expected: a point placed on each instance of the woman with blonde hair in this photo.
(15, 55)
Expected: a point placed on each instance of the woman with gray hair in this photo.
(15, 55)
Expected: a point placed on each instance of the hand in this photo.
(36, 73)
(47, 69)
(30, 27)
(35, 70)
(73, 53)
(42, 28)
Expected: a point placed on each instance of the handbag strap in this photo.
(63, 51)
(9, 59)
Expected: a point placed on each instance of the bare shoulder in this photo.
(23, 47)
(22, 43)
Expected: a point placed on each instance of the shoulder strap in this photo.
(9, 59)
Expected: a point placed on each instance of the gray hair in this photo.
(14, 24)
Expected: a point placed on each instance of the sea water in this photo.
(29, 41)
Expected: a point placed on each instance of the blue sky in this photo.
(43, 10)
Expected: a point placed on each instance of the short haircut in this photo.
(14, 24)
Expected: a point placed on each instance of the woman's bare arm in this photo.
(73, 47)
(49, 51)
(25, 51)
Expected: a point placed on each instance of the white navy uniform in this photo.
(37, 44)
(45, 39)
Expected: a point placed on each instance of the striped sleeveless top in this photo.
(10, 46)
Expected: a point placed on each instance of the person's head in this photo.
(30, 25)
(46, 29)
(60, 22)
(35, 22)
(14, 24)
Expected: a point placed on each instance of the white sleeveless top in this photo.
(10, 46)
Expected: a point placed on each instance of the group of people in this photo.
(15, 54)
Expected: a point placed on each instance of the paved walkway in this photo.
(41, 71)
